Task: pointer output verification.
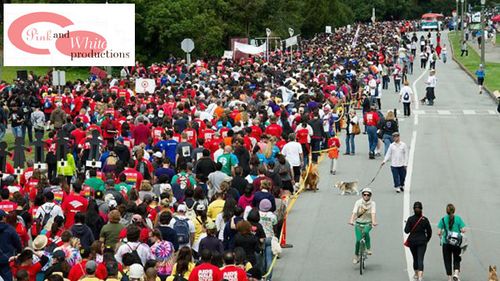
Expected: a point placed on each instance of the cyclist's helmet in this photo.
(367, 190)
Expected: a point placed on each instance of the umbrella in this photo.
(432, 15)
(496, 18)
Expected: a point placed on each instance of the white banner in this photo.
(355, 40)
(228, 55)
(69, 34)
(249, 49)
(145, 85)
(328, 29)
(291, 41)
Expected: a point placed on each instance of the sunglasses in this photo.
(367, 194)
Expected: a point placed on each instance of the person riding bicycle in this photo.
(364, 219)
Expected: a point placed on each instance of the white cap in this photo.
(158, 154)
(136, 271)
(182, 208)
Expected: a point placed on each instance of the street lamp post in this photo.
(462, 21)
(483, 27)
(456, 18)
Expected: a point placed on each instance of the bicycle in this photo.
(363, 253)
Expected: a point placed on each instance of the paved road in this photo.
(456, 159)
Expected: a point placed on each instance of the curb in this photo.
(471, 75)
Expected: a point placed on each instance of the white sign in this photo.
(69, 34)
(249, 49)
(328, 29)
(145, 85)
(187, 45)
(291, 41)
(58, 78)
(228, 55)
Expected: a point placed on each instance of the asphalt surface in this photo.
(455, 146)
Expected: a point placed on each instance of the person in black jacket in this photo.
(420, 232)
(10, 246)
(388, 126)
(82, 231)
(167, 233)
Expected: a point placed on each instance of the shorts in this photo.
(480, 81)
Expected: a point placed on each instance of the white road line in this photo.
(406, 200)
(443, 112)
(491, 112)
(409, 173)
(469, 112)
(419, 112)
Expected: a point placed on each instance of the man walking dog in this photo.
(398, 153)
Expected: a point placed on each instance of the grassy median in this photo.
(471, 62)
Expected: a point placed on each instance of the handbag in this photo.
(411, 231)
(452, 238)
(355, 129)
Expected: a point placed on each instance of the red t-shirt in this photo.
(302, 136)
(72, 204)
(233, 273)
(205, 272)
(78, 135)
(256, 132)
(371, 118)
(141, 134)
(207, 134)
(8, 206)
(274, 130)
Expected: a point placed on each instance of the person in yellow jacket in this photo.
(69, 168)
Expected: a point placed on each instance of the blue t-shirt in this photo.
(480, 73)
(168, 147)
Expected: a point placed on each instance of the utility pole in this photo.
(483, 29)
(462, 22)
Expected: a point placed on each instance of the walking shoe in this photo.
(455, 277)
(355, 260)
(347, 153)
(402, 188)
(398, 190)
(377, 154)
(333, 172)
(369, 252)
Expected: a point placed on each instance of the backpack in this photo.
(183, 181)
(47, 104)
(406, 97)
(452, 238)
(124, 276)
(43, 219)
(135, 254)
(181, 226)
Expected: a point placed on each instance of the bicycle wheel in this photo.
(361, 257)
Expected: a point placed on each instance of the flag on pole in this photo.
(355, 40)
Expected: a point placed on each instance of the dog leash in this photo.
(378, 171)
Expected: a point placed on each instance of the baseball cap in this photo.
(136, 271)
(210, 225)
(395, 134)
(182, 208)
(91, 266)
(200, 207)
(158, 154)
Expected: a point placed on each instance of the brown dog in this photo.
(493, 273)
(312, 180)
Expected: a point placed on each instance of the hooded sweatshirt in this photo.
(84, 233)
(10, 246)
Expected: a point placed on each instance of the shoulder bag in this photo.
(411, 231)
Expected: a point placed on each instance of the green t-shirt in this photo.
(458, 224)
(96, 183)
(227, 161)
(123, 186)
(111, 233)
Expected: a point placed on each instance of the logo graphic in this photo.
(36, 35)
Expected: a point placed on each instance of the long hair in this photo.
(183, 259)
(450, 210)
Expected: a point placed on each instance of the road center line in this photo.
(409, 173)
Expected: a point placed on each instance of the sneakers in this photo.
(332, 172)
(369, 252)
(355, 260)
(402, 188)
(455, 277)
(398, 190)
(371, 155)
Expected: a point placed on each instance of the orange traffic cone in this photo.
(283, 243)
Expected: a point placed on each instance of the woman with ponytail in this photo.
(450, 232)
(419, 233)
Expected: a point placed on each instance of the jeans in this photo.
(372, 138)
(28, 128)
(385, 82)
(268, 257)
(418, 253)
(367, 227)
(410, 69)
(397, 84)
(443, 57)
(17, 131)
(406, 108)
(315, 146)
(399, 176)
(450, 251)
(387, 139)
(349, 144)
(305, 152)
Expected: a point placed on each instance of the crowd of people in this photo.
(190, 181)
